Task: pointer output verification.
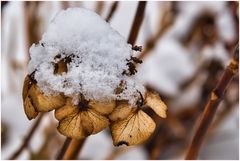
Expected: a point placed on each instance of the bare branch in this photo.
(112, 11)
(63, 149)
(70, 150)
(211, 107)
(27, 139)
(137, 22)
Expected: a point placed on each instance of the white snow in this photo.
(100, 52)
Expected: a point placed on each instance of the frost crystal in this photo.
(98, 56)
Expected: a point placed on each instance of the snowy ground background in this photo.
(165, 68)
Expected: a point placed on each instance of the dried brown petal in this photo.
(71, 126)
(103, 108)
(27, 104)
(78, 123)
(44, 103)
(26, 86)
(121, 112)
(135, 129)
(97, 121)
(29, 109)
(154, 101)
(66, 110)
(86, 122)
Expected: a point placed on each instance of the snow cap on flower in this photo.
(95, 55)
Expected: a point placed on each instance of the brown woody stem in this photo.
(27, 139)
(166, 22)
(99, 7)
(74, 149)
(137, 22)
(63, 149)
(211, 107)
(71, 149)
(112, 11)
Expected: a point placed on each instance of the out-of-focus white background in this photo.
(192, 45)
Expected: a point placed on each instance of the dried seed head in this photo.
(70, 61)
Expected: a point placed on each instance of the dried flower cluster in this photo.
(105, 93)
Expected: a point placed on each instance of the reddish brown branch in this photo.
(211, 107)
(112, 11)
(64, 149)
(99, 7)
(165, 22)
(71, 149)
(74, 149)
(32, 23)
(137, 22)
(27, 139)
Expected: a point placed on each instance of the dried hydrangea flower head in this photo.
(84, 70)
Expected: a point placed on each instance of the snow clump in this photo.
(99, 56)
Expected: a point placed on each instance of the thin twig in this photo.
(64, 149)
(32, 23)
(71, 149)
(74, 149)
(211, 107)
(137, 22)
(112, 11)
(165, 22)
(99, 7)
(27, 139)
